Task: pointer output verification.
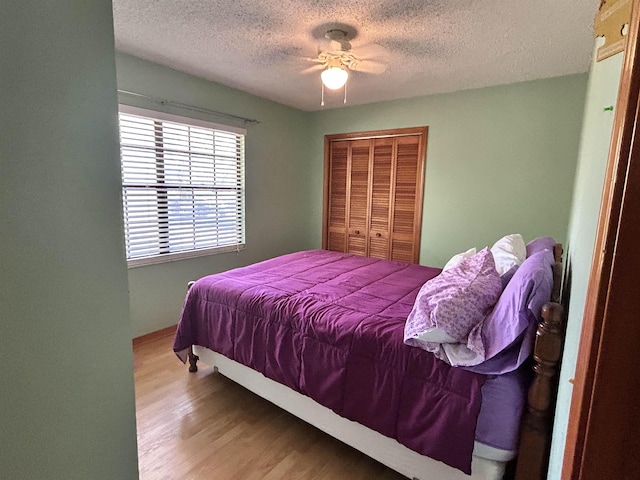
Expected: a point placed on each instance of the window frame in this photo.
(195, 122)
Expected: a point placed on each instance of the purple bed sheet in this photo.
(330, 326)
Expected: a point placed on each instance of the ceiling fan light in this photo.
(334, 77)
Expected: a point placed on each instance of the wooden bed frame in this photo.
(535, 435)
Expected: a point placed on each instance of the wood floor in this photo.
(205, 427)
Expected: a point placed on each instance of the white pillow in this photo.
(509, 251)
(458, 354)
(456, 259)
(434, 335)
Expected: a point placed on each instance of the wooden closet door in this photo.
(373, 193)
(358, 197)
(384, 150)
(407, 204)
(336, 236)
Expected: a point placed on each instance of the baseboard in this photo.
(165, 332)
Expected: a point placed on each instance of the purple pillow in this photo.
(450, 305)
(538, 244)
(508, 275)
(508, 331)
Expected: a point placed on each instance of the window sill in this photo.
(172, 257)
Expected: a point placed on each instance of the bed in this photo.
(321, 334)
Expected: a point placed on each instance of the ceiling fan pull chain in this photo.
(345, 93)
(322, 95)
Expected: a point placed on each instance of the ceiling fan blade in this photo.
(371, 51)
(310, 59)
(369, 66)
(312, 69)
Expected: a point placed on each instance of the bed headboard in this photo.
(535, 435)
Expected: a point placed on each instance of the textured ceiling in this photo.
(428, 46)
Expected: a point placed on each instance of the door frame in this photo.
(601, 439)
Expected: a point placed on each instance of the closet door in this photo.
(373, 193)
(358, 197)
(381, 197)
(407, 204)
(335, 223)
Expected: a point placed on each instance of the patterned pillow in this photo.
(456, 259)
(451, 304)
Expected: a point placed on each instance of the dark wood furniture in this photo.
(535, 435)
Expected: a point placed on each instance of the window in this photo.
(182, 186)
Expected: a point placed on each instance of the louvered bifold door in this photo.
(337, 215)
(373, 193)
(358, 197)
(380, 204)
(407, 190)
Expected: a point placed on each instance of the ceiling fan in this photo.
(336, 59)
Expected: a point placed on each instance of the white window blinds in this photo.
(182, 187)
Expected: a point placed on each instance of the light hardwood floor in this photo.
(205, 427)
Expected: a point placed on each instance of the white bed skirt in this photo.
(383, 449)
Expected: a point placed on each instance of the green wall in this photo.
(278, 180)
(66, 383)
(499, 160)
(602, 92)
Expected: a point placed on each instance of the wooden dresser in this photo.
(373, 193)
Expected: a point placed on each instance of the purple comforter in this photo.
(330, 326)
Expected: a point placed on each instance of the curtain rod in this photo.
(188, 107)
